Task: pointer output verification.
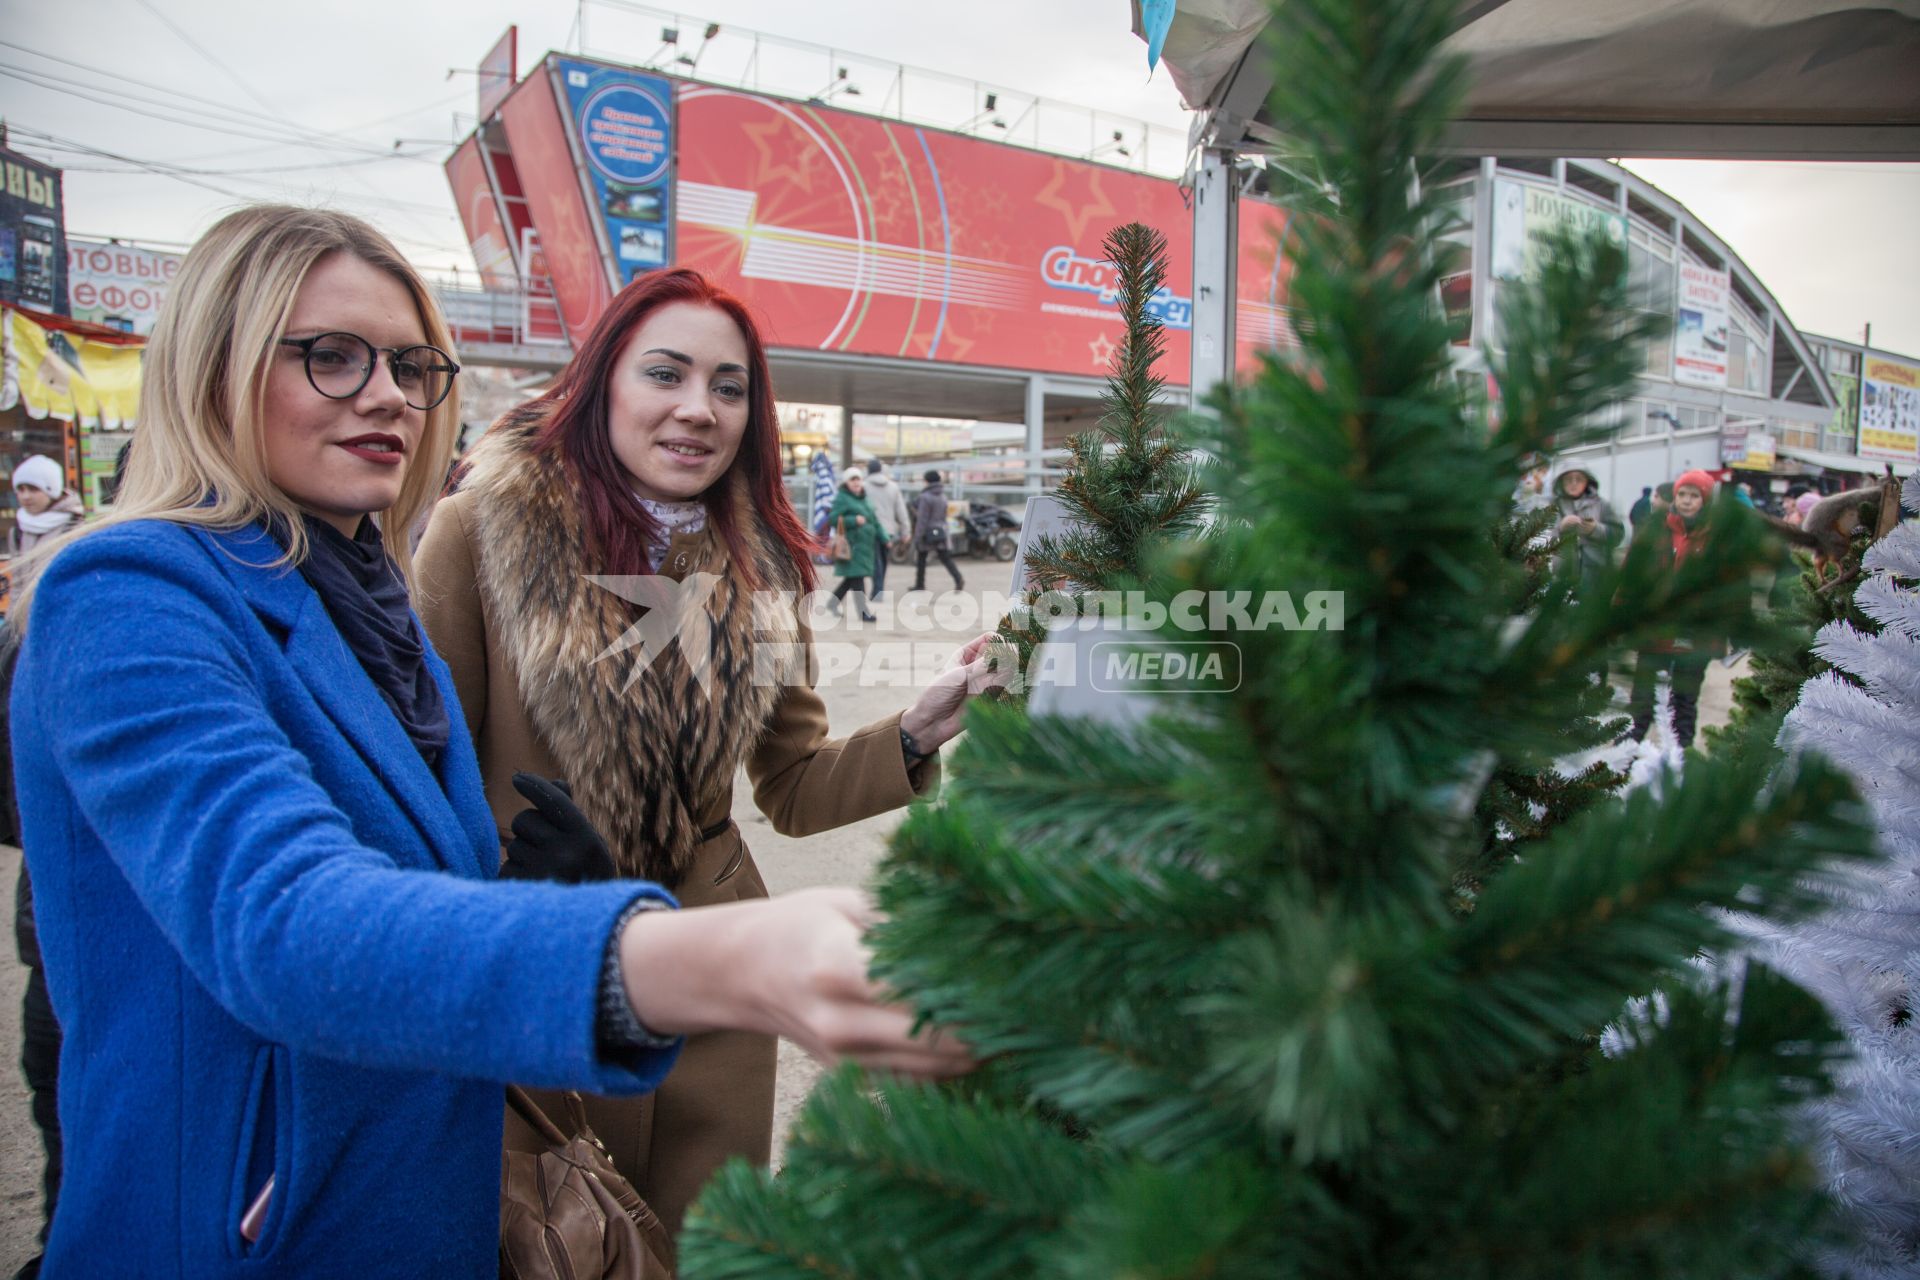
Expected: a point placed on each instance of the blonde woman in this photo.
(265, 866)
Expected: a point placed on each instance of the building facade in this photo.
(1731, 384)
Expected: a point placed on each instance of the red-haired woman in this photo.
(650, 475)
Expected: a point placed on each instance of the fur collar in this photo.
(645, 744)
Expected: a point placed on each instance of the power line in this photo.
(234, 76)
(61, 84)
(231, 113)
(144, 164)
(180, 174)
(198, 48)
(246, 170)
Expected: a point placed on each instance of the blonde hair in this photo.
(199, 453)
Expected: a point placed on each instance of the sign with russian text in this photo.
(117, 285)
(1747, 447)
(1889, 410)
(622, 123)
(1700, 327)
(33, 235)
(1525, 215)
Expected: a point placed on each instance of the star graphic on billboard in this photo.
(1094, 207)
(1102, 351)
(778, 147)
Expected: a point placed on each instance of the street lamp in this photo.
(986, 117)
(1118, 143)
(692, 62)
(835, 87)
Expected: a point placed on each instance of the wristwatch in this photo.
(912, 749)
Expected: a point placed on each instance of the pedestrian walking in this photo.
(930, 533)
(857, 527)
(653, 463)
(1683, 659)
(896, 519)
(1641, 509)
(45, 507)
(1587, 525)
(292, 976)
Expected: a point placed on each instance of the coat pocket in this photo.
(260, 1153)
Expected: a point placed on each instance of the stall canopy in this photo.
(1724, 79)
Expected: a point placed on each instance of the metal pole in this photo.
(1036, 433)
(1215, 236)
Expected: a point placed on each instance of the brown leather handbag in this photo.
(841, 549)
(567, 1212)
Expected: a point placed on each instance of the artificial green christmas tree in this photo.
(1131, 484)
(1240, 1017)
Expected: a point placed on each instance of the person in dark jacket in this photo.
(930, 533)
(854, 517)
(1642, 507)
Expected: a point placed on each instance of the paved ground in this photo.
(874, 666)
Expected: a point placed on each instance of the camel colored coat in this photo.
(501, 532)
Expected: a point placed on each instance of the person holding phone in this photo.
(291, 974)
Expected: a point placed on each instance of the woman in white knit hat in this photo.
(45, 505)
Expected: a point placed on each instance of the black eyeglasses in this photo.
(340, 364)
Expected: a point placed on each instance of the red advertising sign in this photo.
(1263, 314)
(480, 214)
(536, 132)
(849, 233)
(846, 232)
(497, 71)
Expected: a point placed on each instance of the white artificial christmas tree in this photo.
(1862, 958)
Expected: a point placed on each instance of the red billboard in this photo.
(497, 71)
(480, 215)
(856, 234)
(536, 133)
(849, 233)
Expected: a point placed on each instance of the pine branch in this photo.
(1559, 942)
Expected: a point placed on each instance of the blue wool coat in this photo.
(273, 936)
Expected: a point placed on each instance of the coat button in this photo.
(680, 562)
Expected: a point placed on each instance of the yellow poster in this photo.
(1889, 410)
(54, 374)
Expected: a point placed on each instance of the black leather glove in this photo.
(553, 840)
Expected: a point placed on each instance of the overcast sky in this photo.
(1835, 244)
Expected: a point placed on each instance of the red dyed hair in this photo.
(576, 425)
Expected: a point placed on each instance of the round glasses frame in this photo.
(434, 360)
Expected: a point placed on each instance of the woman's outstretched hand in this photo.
(793, 966)
(985, 663)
